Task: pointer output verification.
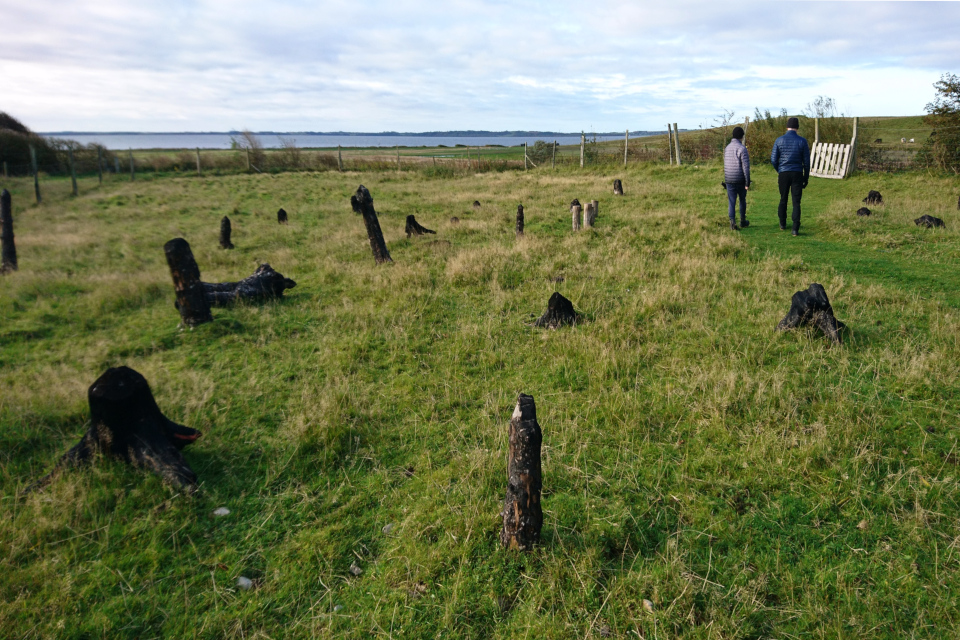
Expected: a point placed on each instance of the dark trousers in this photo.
(791, 183)
(735, 190)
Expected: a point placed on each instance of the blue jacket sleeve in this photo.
(806, 158)
(775, 156)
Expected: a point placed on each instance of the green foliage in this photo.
(540, 152)
(942, 149)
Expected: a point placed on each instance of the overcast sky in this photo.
(359, 65)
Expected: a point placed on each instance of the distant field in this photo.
(747, 483)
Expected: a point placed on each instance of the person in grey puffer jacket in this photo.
(736, 175)
(791, 158)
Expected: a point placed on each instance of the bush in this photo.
(942, 149)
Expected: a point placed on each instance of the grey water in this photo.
(122, 141)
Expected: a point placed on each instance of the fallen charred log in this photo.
(414, 228)
(264, 284)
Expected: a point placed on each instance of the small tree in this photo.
(540, 151)
(942, 148)
(250, 142)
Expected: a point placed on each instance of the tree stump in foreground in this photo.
(126, 423)
(575, 215)
(863, 211)
(617, 187)
(414, 228)
(8, 250)
(812, 308)
(559, 312)
(264, 284)
(873, 197)
(362, 203)
(191, 301)
(225, 233)
(522, 512)
(519, 220)
(281, 216)
(589, 215)
(929, 221)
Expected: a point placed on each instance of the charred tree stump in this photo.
(519, 220)
(362, 203)
(617, 187)
(264, 284)
(476, 204)
(929, 221)
(812, 308)
(559, 312)
(281, 216)
(126, 423)
(863, 211)
(191, 301)
(575, 215)
(8, 250)
(414, 228)
(225, 233)
(589, 215)
(522, 512)
(454, 220)
(873, 197)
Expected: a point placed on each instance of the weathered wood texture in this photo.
(812, 308)
(617, 187)
(191, 301)
(519, 220)
(575, 214)
(522, 511)
(362, 203)
(676, 142)
(589, 216)
(126, 423)
(835, 161)
(264, 284)
(560, 312)
(8, 250)
(281, 216)
(225, 230)
(414, 228)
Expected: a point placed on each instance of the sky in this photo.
(370, 65)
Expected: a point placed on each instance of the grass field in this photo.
(747, 483)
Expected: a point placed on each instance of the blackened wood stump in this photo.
(873, 197)
(414, 228)
(264, 284)
(282, 216)
(476, 204)
(126, 423)
(519, 220)
(559, 312)
(191, 301)
(522, 512)
(362, 203)
(863, 211)
(928, 221)
(8, 250)
(812, 308)
(574, 203)
(225, 233)
(617, 187)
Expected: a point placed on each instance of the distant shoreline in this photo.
(424, 134)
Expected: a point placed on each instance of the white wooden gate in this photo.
(833, 160)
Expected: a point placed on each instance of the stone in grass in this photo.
(648, 605)
(354, 569)
(244, 583)
(863, 211)
(221, 511)
(387, 528)
(812, 308)
(873, 197)
(928, 221)
(560, 312)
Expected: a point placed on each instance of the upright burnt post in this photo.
(519, 220)
(225, 233)
(362, 203)
(522, 513)
(8, 251)
(191, 299)
(281, 216)
(36, 174)
(617, 187)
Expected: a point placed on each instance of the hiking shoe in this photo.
(783, 227)
(795, 232)
(733, 226)
(744, 223)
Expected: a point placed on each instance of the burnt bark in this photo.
(191, 301)
(522, 511)
(812, 308)
(928, 221)
(414, 228)
(282, 216)
(8, 250)
(264, 284)
(126, 423)
(617, 187)
(574, 203)
(225, 230)
(519, 220)
(873, 197)
(559, 312)
(863, 211)
(362, 203)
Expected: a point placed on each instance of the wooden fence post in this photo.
(191, 298)
(398, 157)
(36, 175)
(73, 171)
(670, 143)
(248, 158)
(522, 512)
(116, 165)
(524, 156)
(339, 160)
(133, 175)
(816, 130)
(626, 141)
(100, 164)
(8, 251)
(676, 140)
(519, 220)
(478, 158)
(199, 172)
(554, 164)
(583, 142)
(852, 156)
(575, 215)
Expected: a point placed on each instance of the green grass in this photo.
(748, 483)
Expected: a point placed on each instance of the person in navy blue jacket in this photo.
(791, 159)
